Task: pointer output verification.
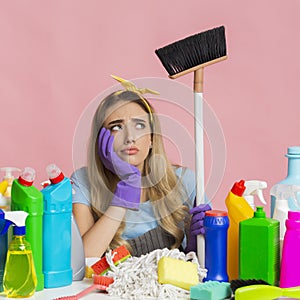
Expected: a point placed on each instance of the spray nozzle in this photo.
(9, 172)
(254, 187)
(15, 218)
(286, 192)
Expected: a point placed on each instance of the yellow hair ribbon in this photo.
(130, 86)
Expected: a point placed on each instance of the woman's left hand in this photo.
(198, 214)
(196, 227)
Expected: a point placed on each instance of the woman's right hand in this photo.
(128, 190)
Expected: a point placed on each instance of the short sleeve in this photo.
(188, 180)
(81, 190)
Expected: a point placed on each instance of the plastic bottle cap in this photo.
(294, 215)
(239, 188)
(54, 173)
(27, 177)
(259, 213)
(293, 150)
(216, 213)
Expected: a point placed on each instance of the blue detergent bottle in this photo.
(57, 229)
(216, 225)
(292, 178)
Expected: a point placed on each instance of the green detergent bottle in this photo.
(259, 248)
(26, 197)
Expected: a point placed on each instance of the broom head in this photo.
(194, 52)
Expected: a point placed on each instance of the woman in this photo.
(129, 193)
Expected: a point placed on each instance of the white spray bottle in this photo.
(284, 193)
(254, 187)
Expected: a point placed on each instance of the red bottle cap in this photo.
(216, 213)
(239, 188)
(54, 173)
(27, 177)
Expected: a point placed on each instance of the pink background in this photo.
(56, 57)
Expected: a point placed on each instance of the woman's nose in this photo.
(129, 135)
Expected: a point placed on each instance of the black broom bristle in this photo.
(238, 283)
(193, 50)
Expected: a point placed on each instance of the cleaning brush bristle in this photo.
(237, 283)
(194, 50)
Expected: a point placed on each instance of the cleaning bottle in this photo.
(238, 210)
(26, 197)
(216, 224)
(3, 200)
(283, 193)
(254, 187)
(9, 178)
(259, 248)
(19, 279)
(57, 229)
(290, 262)
(293, 176)
(3, 247)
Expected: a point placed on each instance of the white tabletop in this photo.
(76, 287)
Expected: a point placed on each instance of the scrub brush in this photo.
(265, 292)
(119, 255)
(100, 283)
(193, 54)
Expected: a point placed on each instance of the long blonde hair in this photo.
(163, 187)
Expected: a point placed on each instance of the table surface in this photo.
(76, 287)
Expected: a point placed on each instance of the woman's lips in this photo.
(130, 151)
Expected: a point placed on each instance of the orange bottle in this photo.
(238, 210)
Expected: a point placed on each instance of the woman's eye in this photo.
(116, 127)
(140, 125)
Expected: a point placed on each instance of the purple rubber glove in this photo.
(196, 227)
(128, 190)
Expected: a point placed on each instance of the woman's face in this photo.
(129, 124)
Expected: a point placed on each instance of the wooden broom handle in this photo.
(198, 80)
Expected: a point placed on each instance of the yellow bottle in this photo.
(238, 210)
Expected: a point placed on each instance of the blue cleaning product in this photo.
(292, 178)
(216, 224)
(57, 229)
(20, 278)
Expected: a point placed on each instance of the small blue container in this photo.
(57, 228)
(216, 225)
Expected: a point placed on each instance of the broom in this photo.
(193, 54)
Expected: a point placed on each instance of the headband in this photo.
(130, 86)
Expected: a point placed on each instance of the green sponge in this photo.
(210, 290)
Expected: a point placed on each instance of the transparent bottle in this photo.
(19, 279)
(292, 178)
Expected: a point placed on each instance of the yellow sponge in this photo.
(177, 272)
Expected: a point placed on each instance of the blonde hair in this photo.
(163, 187)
